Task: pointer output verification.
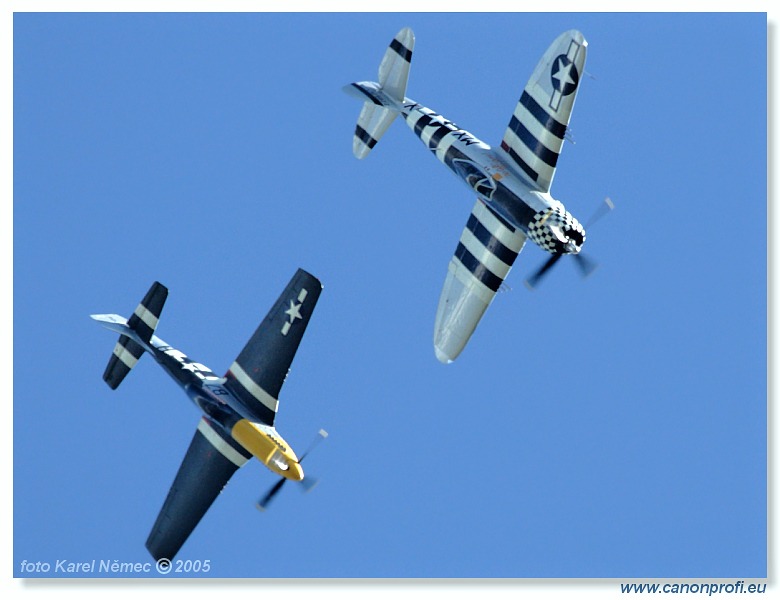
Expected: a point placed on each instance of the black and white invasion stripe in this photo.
(486, 250)
(399, 48)
(534, 137)
(244, 384)
(433, 130)
(143, 321)
(146, 316)
(364, 137)
(124, 357)
(225, 444)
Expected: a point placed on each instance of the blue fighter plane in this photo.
(238, 409)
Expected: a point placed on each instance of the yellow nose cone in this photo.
(295, 472)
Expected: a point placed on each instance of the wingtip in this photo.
(442, 357)
(406, 32)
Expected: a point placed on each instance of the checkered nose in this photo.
(575, 239)
(569, 236)
(557, 231)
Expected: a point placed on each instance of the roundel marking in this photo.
(564, 75)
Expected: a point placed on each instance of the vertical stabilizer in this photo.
(394, 69)
(382, 100)
(143, 322)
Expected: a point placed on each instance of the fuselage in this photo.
(208, 392)
(537, 214)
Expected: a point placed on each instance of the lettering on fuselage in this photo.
(465, 137)
(200, 371)
(430, 119)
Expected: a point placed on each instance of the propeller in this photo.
(603, 209)
(585, 264)
(321, 435)
(307, 483)
(263, 503)
(541, 271)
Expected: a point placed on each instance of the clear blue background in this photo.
(611, 427)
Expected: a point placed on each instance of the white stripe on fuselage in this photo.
(444, 145)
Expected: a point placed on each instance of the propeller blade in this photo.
(534, 279)
(263, 503)
(603, 208)
(321, 435)
(586, 265)
(308, 483)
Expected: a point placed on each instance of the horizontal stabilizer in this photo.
(123, 359)
(115, 323)
(372, 124)
(485, 253)
(382, 100)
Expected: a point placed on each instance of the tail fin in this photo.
(382, 101)
(141, 325)
(394, 68)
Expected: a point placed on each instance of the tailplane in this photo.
(383, 100)
(135, 333)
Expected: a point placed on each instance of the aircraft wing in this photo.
(257, 375)
(534, 138)
(486, 251)
(210, 461)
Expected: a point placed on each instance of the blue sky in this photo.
(608, 428)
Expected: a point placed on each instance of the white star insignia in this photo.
(294, 312)
(563, 75)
